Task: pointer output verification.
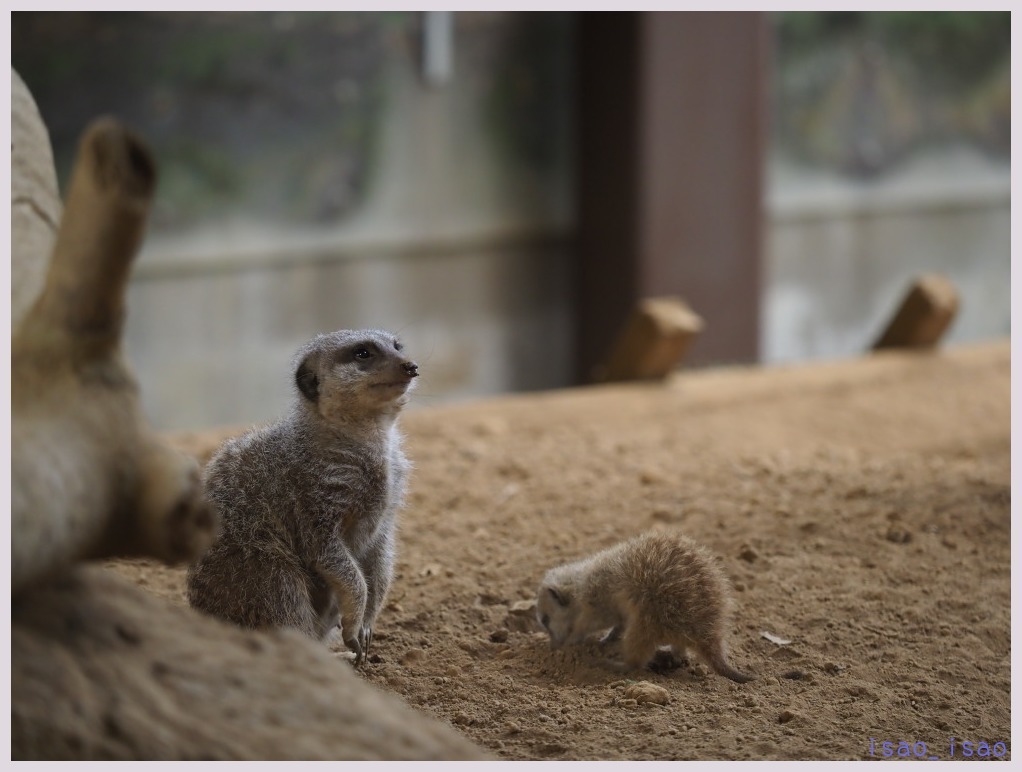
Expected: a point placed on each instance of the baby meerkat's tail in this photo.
(717, 657)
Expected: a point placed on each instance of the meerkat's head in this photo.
(350, 374)
(556, 609)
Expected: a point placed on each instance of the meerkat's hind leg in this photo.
(667, 659)
(325, 605)
(638, 646)
(252, 590)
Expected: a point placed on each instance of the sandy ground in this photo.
(861, 509)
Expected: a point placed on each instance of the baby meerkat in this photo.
(309, 505)
(654, 590)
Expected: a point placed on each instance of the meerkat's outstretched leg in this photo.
(88, 478)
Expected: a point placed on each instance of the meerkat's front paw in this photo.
(360, 645)
(355, 646)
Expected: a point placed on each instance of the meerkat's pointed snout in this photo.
(411, 369)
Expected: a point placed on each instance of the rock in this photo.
(748, 554)
(176, 685)
(35, 201)
(499, 635)
(898, 535)
(644, 691)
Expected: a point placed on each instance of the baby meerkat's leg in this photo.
(342, 573)
(667, 659)
(638, 645)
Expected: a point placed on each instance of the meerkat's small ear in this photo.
(307, 380)
(559, 595)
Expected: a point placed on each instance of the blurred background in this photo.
(501, 188)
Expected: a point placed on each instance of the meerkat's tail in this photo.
(717, 658)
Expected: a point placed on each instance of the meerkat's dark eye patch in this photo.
(398, 345)
(361, 352)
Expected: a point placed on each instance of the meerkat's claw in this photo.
(367, 639)
(354, 645)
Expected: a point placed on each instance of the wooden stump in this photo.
(653, 342)
(924, 315)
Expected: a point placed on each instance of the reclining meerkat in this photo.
(309, 504)
(656, 589)
(90, 479)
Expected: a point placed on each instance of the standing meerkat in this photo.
(309, 504)
(656, 589)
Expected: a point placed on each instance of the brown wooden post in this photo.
(924, 315)
(671, 137)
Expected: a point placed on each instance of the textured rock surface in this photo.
(105, 670)
(35, 200)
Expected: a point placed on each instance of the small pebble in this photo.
(786, 716)
(898, 535)
(499, 635)
(747, 553)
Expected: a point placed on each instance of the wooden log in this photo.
(653, 341)
(924, 315)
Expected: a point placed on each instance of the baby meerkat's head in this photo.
(556, 611)
(350, 374)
